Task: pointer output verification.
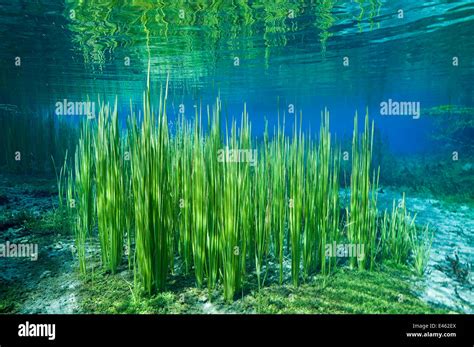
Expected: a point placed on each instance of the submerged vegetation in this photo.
(362, 216)
(174, 204)
(347, 292)
(457, 124)
(447, 170)
(110, 187)
(400, 238)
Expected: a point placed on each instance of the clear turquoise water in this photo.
(290, 52)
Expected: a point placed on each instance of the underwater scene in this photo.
(236, 156)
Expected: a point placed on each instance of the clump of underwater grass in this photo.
(230, 241)
(310, 244)
(362, 215)
(199, 198)
(247, 232)
(214, 194)
(72, 217)
(296, 191)
(110, 186)
(149, 150)
(325, 198)
(61, 183)
(262, 216)
(183, 142)
(83, 185)
(421, 247)
(225, 217)
(128, 199)
(174, 182)
(278, 174)
(400, 238)
(321, 201)
(396, 230)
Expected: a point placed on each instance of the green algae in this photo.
(347, 292)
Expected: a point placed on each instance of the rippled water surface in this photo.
(290, 49)
(344, 55)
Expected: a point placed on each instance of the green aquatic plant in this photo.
(310, 244)
(246, 167)
(396, 232)
(184, 141)
(214, 181)
(321, 206)
(110, 187)
(279, 199)
(262, 217)
(84, 178)
(449, 109)
(72, 216)
(128, 199)
(421, 247)
(362, 214)
(296, 194)
(401, 239)
(199, 198)
(174, 184)
(231, 245)
(83, 184)
(327, 195)
(152, 206)
(206, 200)
(61, 180)
(454, 126)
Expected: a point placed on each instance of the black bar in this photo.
(310, 330)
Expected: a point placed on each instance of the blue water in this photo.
(288, 51)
